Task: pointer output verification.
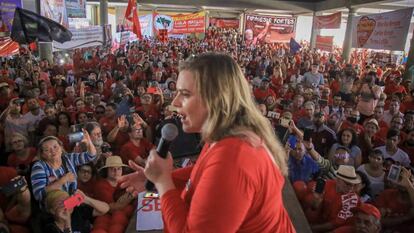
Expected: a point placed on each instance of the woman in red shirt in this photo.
(236, 183)
(22, 153)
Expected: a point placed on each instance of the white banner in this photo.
(82, 37)
(385, 31)
(148, 213)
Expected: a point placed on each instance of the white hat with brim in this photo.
(347, 174)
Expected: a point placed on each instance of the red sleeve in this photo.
(221, 211)
(181, 176)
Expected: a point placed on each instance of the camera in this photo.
(105, 148)
(13, 187)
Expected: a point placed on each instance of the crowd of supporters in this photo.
(346, 127)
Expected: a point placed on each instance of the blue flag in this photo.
(294, 46)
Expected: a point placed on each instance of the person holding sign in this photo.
(236, 184)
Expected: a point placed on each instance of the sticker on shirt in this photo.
(349, 201)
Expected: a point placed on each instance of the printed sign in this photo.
(54, 10)
(269, 29)
(76, 8)
(332, 21)
(385, 31)
(324, 43)
(181, 23)
(7, 8)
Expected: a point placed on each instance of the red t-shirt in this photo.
(336, 207)
(104, 191)
(260, 94)
(245, 198)
(14, 161)
(129, 151)
(397, 206)
(359, 129)
(107, 124)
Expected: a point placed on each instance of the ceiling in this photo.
(272, 7)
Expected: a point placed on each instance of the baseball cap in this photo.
(368, 209)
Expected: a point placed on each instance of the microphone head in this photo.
(169, 132)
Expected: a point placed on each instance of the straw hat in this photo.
(113, 161)
(347, 174)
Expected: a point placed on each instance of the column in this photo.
(315, 32)
(103, 12)
(410, 63)
(347, 46)
(45, 48)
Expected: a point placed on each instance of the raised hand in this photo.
(134, 182)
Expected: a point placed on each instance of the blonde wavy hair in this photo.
(232, 110)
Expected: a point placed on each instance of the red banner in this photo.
(324, 43)
(332, 21)
(181, 23)
(225, 23)
(269, 29)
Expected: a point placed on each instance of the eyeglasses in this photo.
(100, 112)
(85, 171)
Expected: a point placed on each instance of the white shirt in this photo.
(399, 156)
(387, 116)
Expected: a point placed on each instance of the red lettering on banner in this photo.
(151, 205)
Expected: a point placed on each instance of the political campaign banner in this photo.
(82, 37)
(324, 43)
(385, 31)
(270, 29)
(332, 21)
(225, 23)
(76, 8)
(148, 212)
(54, 10)
(7, 8)
(181, 23)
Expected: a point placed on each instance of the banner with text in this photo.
(54, 10)
(269, 29)
(324, 43)
(148, 213)
(82, 37)
(332, 21)
(181, 23)
(76, 8)
(224, 23)
(7, 8)
(387, 31)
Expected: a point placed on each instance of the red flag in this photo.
(131, 14)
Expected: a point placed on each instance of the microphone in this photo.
(168, 133)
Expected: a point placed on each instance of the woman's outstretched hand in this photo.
(134, 182)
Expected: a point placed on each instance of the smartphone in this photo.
(307, 134)
(13, 187)
(73, 201)
(76, 128)
(320, 185)
(75, 137)
(394, 173)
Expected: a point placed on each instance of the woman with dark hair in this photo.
(87, 178)
(374, 170)
(63, 124)
(348, 138)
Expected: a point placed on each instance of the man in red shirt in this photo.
(337, 200)
(263, 91)
(137, 148)
(367, 220)
(352, 122)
